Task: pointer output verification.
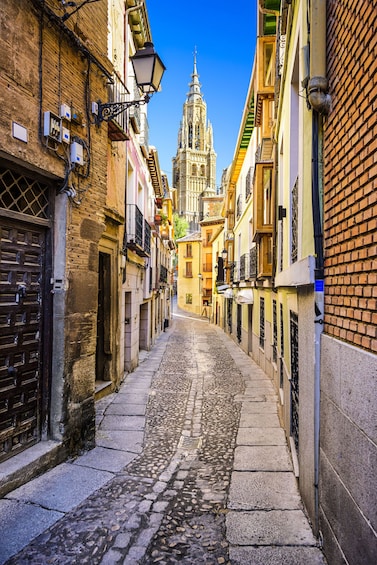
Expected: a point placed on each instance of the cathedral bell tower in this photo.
(194, 166)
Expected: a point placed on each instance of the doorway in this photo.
(103, 349)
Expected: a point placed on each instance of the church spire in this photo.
(194, 93)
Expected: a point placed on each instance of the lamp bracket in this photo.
(110, 110)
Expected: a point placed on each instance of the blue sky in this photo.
(224, 34)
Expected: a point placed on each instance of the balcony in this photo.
(138, 231)
(248, 265)
(263, 200)
(266, 55)
(117, 126)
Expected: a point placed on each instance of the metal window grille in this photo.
(248, 184)
(253, 262)
(239, 206)
(20, 193)
(239, 323)
(281, 346)
(147, 237)
(229, 308)
(294, 222)
(243, 260)
(294, 379)
(163, 274)
(261, 323)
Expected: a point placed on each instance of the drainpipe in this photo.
(318, 85)
(320, 102)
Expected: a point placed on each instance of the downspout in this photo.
(320, 102)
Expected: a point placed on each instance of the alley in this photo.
(191, 466)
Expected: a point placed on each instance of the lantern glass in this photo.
(148, 68)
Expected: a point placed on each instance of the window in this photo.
(275, 331)
(294, 379)
(188, 298)
(263, 212)
(188, 250)
(194, 170)
(188, 269)
(190, 134)
(202, 170)
(197, 138)
(248, 184)
(267, 176)
(261, 323)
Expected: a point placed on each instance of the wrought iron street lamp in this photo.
(148, 69)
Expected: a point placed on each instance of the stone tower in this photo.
(194, 166)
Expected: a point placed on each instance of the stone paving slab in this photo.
(262, 458)
(274, 527)
(34, 520)
(253, 407)
(62, 488)
(124, 423)
(276, 556)
(259, 383)
(130, 440)
(259, 397)
(259, 421)
(263, 491)
(105, 459)
(126, 409)
(261, 436)
(133, 397)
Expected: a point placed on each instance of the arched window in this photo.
(197, 138)
(194, 170)
(190, 136)
(202, 170)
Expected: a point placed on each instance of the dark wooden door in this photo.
(22, 256)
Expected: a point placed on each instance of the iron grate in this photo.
(23, 194)
(190, 442)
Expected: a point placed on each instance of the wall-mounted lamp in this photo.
(224, 254)
(148, 69)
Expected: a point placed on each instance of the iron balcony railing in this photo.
(248, 265)
(117, 92)
(138, 231)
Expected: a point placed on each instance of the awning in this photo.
(222, 287)
(228, 293)
(245, 296)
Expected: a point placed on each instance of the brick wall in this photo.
(45, 63)
(350, 195)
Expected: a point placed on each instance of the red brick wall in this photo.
(350, 181)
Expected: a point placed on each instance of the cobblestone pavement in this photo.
(169, 504)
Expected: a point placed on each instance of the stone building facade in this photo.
(53, 193)
(70, 184)
(348, 459)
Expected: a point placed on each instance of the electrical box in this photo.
(52, 126)
(65, 112)
(76, 117)
(77, 153)
(66, 135)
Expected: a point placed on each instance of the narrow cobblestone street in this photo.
(173, 482)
